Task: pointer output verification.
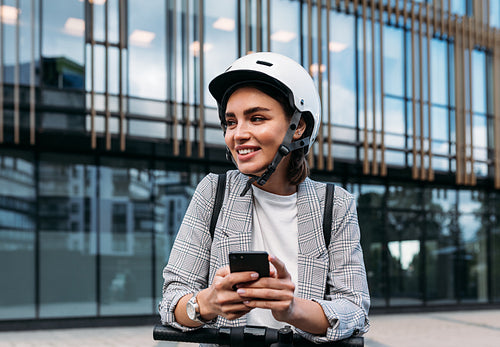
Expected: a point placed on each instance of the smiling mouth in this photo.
(246, 151)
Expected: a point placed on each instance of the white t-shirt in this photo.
(274, 231)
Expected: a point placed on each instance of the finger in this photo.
(281, 294)
(242, 277)
(223, 271)
(281, 270)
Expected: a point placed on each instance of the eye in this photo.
(257, 118)
(230, 122)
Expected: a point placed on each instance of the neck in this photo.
(278, 183)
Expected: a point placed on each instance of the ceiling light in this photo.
(195, 48)
(9, 14)
(336, 46)
(283, 36)
(74, 26)
(226, 24)
(141, 38)
(96, 2)
(314, 69)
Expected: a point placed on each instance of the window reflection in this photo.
(67, 210)
(17, 235)
(285, 31)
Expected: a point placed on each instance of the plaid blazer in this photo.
(333, 277)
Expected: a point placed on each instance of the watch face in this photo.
(190, 310)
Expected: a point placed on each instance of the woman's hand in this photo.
(220, 299)
(275, 293)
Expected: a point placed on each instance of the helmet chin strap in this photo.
(285, 148)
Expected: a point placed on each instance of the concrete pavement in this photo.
(457, 329)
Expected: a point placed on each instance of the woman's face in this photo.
(256, 126)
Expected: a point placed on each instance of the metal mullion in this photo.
(16, 77)
(374, 97)
(329, 160)
(366, 164)
(173, 71)
(472, 180)
(383, 168)
(430, 170)
(414, 111)
(106, 78)
(201, 61)
(319, 7)
(421, 93)
(1, 75)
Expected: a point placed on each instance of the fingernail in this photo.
(241, 291)
(254, 275)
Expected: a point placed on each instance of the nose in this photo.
(241, 133)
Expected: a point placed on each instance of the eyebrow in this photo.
(250, 111)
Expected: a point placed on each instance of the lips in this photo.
(245, 151)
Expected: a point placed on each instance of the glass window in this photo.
(146, 48)
(439, 72)
(63, 43)
(285, 28)
(472, 259)
(478, 84)
(67, 210)
(440, 248)
(173, 192)
(495, 13)
(17, 235)
(126, 222)
(404, 258)
(393, 61)
(342, 69)
(220, 42)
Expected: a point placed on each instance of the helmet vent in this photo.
(266, 63)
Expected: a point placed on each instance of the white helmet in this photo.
(278, 71)
(285, 76)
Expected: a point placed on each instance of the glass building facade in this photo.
(107, 126)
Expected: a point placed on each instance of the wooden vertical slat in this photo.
(421, 92)
(186, 107)
(383, 167)
(16, 76)
(397, 12)
(173, 72)
(329, 160)
(374, 96)
(472, 179)
(354, 7)
(121, 45)
(309, 61)
(366, 166)
(464, 102)
(93, 136)
(320, 81)
(389, 10)
(458, 101)
(430, 175)
(32, 75)
(259, 26)
(201, 87)
(106, 77)
(413, 91)
(496, 100)
(1, 74)
(268, 25)
(248, 34)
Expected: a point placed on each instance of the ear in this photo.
(301, 128)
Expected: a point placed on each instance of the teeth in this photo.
(245, 151)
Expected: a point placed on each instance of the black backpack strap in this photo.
(327, 215)
(219, 199)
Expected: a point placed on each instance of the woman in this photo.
(270, 113)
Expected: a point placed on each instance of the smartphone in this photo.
(249, 261)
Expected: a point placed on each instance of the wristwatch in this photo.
(193, 311)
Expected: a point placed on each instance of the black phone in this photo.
(249, 261)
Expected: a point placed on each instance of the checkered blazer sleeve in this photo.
(347, 299)
(188, 266)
